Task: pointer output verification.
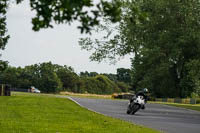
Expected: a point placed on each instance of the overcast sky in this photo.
(58, 45)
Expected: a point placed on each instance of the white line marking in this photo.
(84, 106)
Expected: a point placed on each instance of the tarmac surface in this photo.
(165, 118)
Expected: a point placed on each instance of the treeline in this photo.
(165, 42)
(53, 78)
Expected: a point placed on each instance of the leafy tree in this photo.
(88, 74)
(84, 74)
(15, 77)
(67, 76)
(33, 73)
(42, 76)
(93, 74)
(164, 39)
(124, 75)
(3, 65)
(63, 11)
(49, 79)
(23, 80)
(193, 68)
(9, 76)
(112, 77)
(168, 41)
(3, 36)
(67, 11)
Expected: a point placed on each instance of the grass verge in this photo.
(187, 106)
(96, 96)
(32, 113)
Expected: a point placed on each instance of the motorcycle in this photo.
(135, 105)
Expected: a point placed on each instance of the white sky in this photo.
(58, 45)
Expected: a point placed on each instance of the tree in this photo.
(163, 39)
(10, 76)
(88, 74)
(67, 11)
(3, 65)
(112, 77)
(67, 76)
(123, 86)
(63, 11)
(193, 68)
(3, 37)
(84, 74)
(169, 40)
(49, 79)
(42, 76)
(124, 75)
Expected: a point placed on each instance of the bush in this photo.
(100, 84)
(198, 101)
(123, 86)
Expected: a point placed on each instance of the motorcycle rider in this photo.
(143, 93)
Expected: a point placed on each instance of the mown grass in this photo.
(32, 113)
(187, 106)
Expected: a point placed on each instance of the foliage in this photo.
(3, 37)
(124, 75)
(86, 12)
(100, 85)
(123, 86)
(193, 67)
(3, 65)
(67, 11)
(51, 12)
(169, 42)
(67, 76)
(3, 30)
(88, 74)
(46, 76)
(52, 78)
(49, 81)
(112, 77)
(104, 83)
(164, 39)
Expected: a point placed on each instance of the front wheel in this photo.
(128, 110)
(136, 107)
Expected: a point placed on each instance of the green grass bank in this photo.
(32, 113)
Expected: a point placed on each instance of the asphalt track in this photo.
(161, 117)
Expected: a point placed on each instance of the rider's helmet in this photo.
(145, 90)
